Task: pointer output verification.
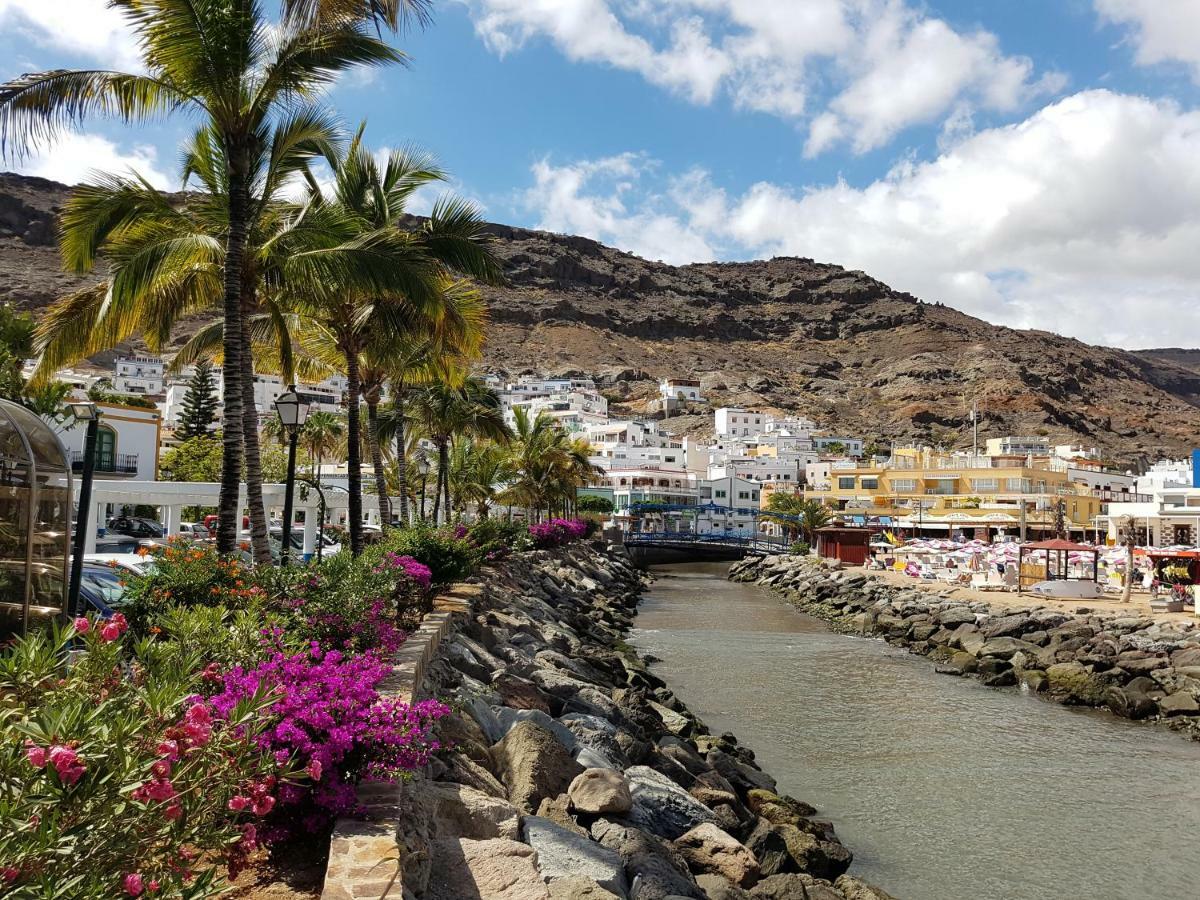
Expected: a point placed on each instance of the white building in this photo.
(575, 409)
(138, 375)
(849, 446)
(681, 389)
(730, 421)
(325, 396)
(1169, 516)
(126, 443)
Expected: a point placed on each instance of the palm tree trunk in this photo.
(385, 506)
(437, 485)
(401, 452)
(353, 460)
(259, 542)
(444, 463)
(228, 511)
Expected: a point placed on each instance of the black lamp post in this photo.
(423, 468)
(89, 413)
(293, 413)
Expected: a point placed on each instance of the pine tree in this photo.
(199, 403)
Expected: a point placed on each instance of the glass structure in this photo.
(35, 521)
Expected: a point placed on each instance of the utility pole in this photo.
(974, 431)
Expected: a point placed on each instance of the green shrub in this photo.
(799, 548)
(594, 504)
(496, 538)
(448, 555)
(114, 779)
(189, 574)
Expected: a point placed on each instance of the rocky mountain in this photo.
(786, 333)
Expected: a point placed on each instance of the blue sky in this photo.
(1028, 161)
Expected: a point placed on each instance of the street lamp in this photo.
(423, 468)
(89, 413)
(293, 413)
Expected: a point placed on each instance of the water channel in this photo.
(944, 789)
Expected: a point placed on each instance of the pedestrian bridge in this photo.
(649, 548)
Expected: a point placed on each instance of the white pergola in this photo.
(173, 496)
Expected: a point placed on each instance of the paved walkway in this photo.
(1139, 604)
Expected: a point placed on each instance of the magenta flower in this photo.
(133, 884)
(35, 754)
(238, 802)
(82, 625)
(67, 763)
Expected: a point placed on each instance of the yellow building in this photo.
(934, 492)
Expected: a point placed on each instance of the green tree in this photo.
(199, 403)
(248, 79)
(797, 514)
(548, 465)
(196, 459)
(477, 469)
(594, 504)
(16, 345)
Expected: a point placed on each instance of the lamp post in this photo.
(89, 413)
(293, 413)
(423, 468)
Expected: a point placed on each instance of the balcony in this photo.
(107, 463)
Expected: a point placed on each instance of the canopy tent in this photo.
(1057, 554)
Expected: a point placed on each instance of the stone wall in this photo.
(1131, 665)
(572, 771)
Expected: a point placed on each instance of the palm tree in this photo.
(321, 434)
(443, 413)
(798, 514)
(548, 465)
(248, 79)
(477, 469)
(452, 239)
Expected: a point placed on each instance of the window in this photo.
(754, 495)
(985, 484)
(870, 484)
(904, 484)
(846, 483)
(668, 459)
(743, 495)
(787, 477)
(1020, 485)
(719, 493)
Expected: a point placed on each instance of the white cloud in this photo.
(1081, 219)
(877, 66)
(75, 157)
(559, 198)
(83, 27)
(1162, 30)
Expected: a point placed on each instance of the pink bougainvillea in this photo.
(557, 532)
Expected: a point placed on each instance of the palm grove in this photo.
(303, 276)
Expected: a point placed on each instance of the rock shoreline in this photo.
(574, 773)
(1133, 666)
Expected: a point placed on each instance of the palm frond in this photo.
(456, 235)
(36, 107)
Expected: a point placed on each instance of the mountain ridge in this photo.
(787, 333)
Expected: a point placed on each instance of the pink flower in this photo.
(152, 887)
(238, 802)
(263, 805)
(169, 749)
(198, 734)
(314, 769)
(35, 754)
(198, 714)
(10, 874)
(133, 884)
(161, 768)
(82, 625)
(118, 619)
(66, 762)
(249, 836)
(282, 757)
(173, 812)
(109, 632)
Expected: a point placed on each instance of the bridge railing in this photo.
(760, 542)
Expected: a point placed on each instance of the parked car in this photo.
(197, 531)
(135, 526)
(131, 563)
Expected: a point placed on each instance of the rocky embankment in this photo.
(1132, 665)
(575, 774)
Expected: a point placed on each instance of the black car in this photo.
(134, 526)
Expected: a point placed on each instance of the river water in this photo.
(944, 789)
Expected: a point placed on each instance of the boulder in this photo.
(1073, 684)
(738, 773)
(956, 615)
(1181, 703)
(1129, 703)
(1188, 656)
(598, 791)
(576, 887)
(717, 888)
(533, 764)
(856, 889)
(1005, 626)
(461, 769)
(519, 693)
(558, 810)
(510, 717)
(463, 811)
(496, 869)
(824, 859)
(793, 887)
(770, 849)
(1006, 647)
(562, 853)
(708, 849)
(662, 807)
(778, 809)
(711, 789)
(654, 869)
